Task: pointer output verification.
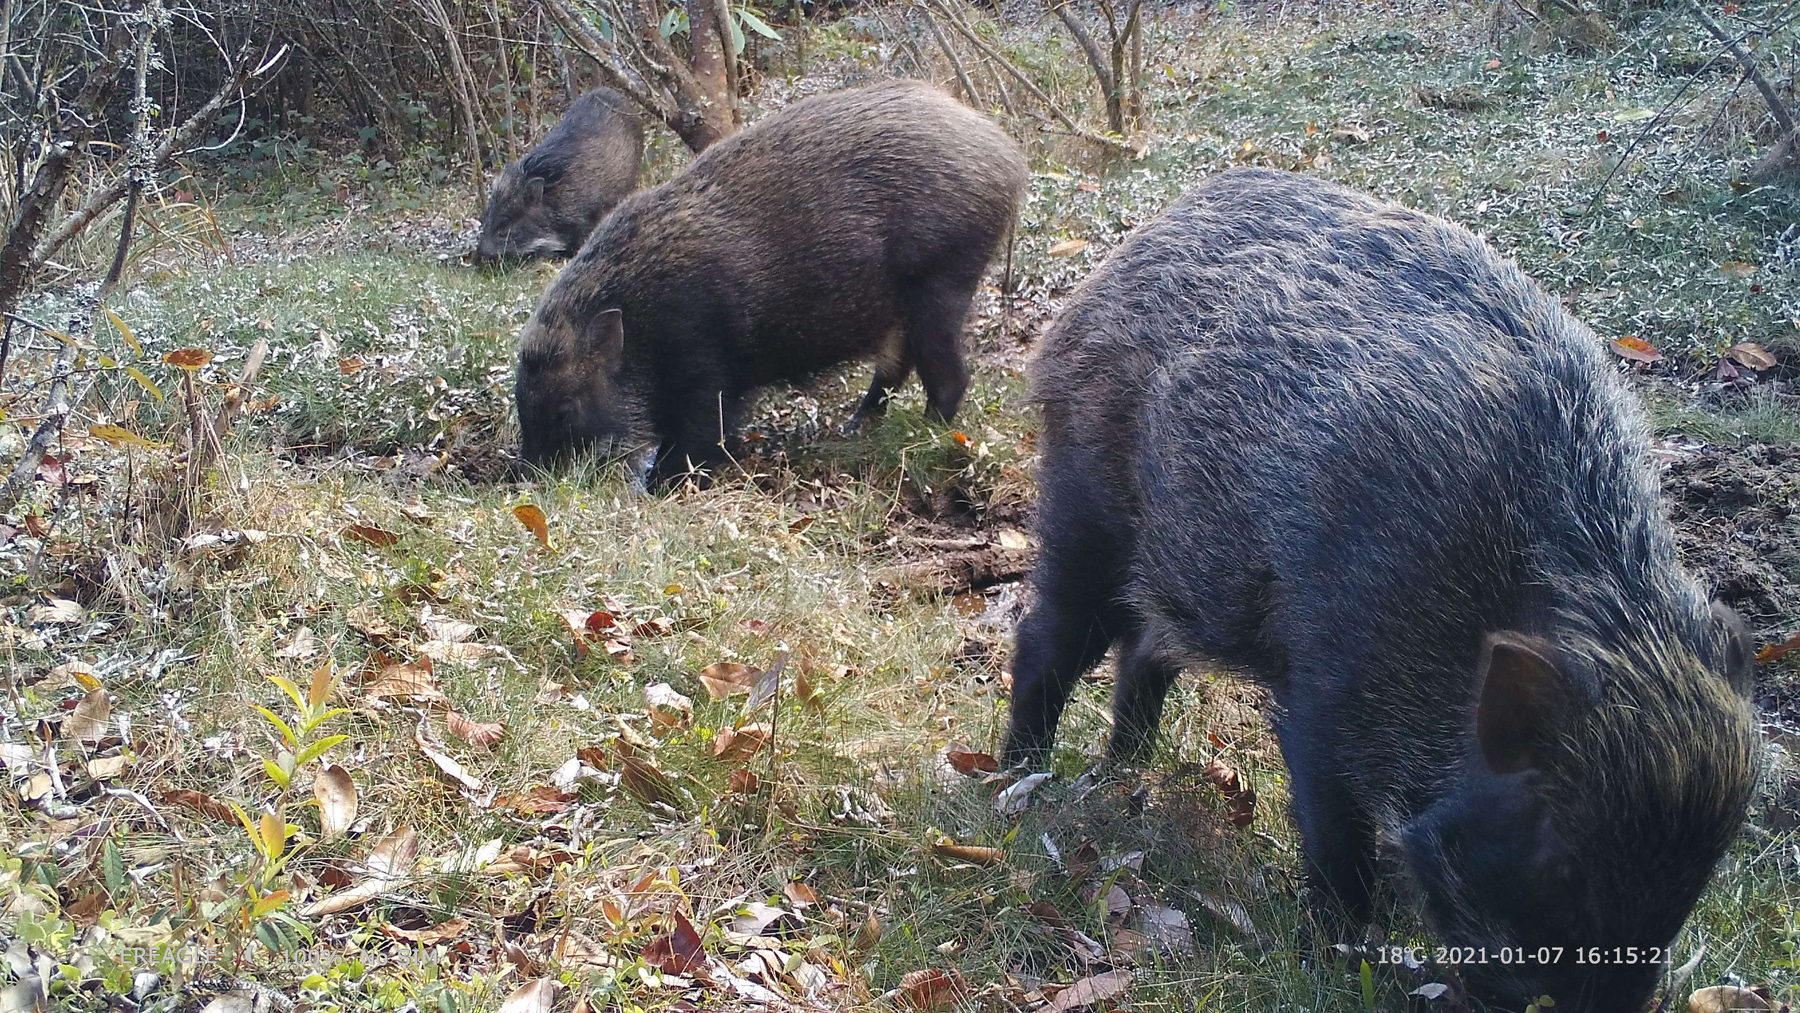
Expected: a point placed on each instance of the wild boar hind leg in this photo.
(933, 310)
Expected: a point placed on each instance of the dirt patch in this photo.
(1737, 522)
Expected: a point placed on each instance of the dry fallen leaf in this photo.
(1725, 998)
(867, 934)
(543, 800)
(1068, 247)
(371, 535)
(442, 932)
(727, 678)
(1167, 929)
(931, 988)
(1737, 269)
(1089, 991)
(643, 781)
(336, 794)
(201, 803)
(966, 762)
(1751, 355)
(735, 745)
(1013, 799)
(188, 358)
(743, 781)
(473, 732)
(89, 720)
(56, 612)
(450, 768)
(669, 710)
(532, 997)
(1240, 798)
(534, 520)
(1014, 540)
(106, 767)
(799, 894)
(1636, 349)
(387, 866)
(1775, 652)
(678, 952)
(397, 681)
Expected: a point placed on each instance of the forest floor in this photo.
(565, 769)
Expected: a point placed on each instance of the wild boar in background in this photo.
(546, 203)
(849, 226)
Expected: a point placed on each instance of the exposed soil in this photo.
(1737, 521)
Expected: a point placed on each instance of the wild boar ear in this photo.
(1525, 689)
(610, 346)
(1740, 663)
(534, 189)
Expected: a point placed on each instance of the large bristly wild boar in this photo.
(848, 226)
(1347, 448)
(546, 203)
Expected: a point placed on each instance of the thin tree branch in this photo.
(1116, 144)
(1776, 107)
(962, 75)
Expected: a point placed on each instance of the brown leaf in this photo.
(442, 932)
(201, 803)
(188, 358)
(371, 535)
(799, 894)
(1751, 355)
(336, 794)
(735, 745)
(971, 763)
(88, 722)
(1737, 269)
(867, 934)
(387, 866)
(1775, 652)
(532, 997)
(543, 800)
(1090, 991)
(451, 769)
(534, 521)
(801, 524)
(678, 952)
(1068, 247)
(106, 768)
(1726, 998)
(1636, 349)
(364, 620)
(669, 710)
(727, 679)
(931, 988)
(1240, 798)
(643, 781)
(350, 366)
(947, 848)
(414, 682)
(743, 781)
(661, 626)
(473, 732)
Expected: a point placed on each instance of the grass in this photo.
(386, 404)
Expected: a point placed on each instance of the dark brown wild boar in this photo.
(1347, 448)
(546, 203)
(849, 226)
